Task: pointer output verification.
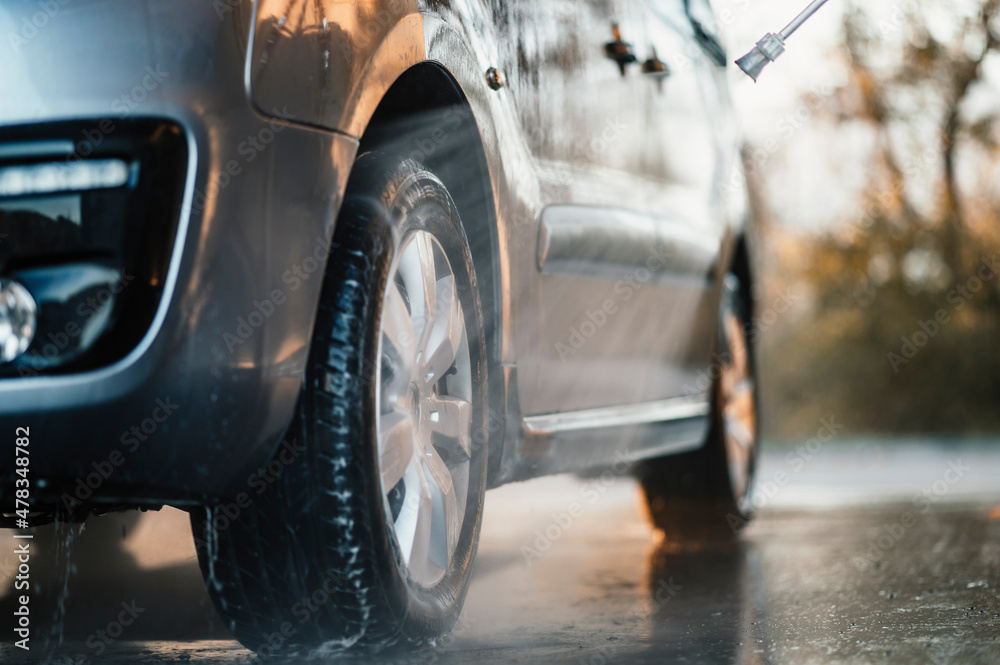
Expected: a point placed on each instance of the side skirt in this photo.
(577, 440)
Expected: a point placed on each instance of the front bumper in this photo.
(206, 394)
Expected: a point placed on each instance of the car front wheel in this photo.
(367, 539)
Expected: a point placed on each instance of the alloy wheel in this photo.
(424, 407)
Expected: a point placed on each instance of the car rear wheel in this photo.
(703, 496)
(367, 539)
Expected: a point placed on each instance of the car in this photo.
(322, 272)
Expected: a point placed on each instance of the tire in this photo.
(328, 560)
(703, 496)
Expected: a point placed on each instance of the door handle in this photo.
(619, 50)
(655, 68)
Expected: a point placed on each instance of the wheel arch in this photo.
(426, 116)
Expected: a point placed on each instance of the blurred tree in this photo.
(904, 296)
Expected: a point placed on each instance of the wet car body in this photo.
(596, 206)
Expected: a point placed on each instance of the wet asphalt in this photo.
(865, 552)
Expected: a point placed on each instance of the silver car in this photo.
(322, 272)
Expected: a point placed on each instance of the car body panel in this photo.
(629, 141)
(310, 82)
(330, 61)
(237, 239)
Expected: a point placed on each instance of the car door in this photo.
(622, 309)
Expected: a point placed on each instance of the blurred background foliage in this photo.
(918, 108)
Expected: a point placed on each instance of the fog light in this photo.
(18, 320)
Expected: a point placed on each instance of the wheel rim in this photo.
(424, 407)
(738, 396)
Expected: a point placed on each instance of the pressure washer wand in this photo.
(772, 45)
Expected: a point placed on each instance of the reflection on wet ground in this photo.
(903, 578)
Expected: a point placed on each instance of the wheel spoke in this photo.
(397, 328)
(423, 524)
(739, 412)
(428, 274)
(442, 340)
(439, 473)
(739, 433)
(739, 399)
(446, 522)
(416, 267)
(395, 446)
(451, 419)
(737, 343)
(409, 513)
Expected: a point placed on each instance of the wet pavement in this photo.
(862, 553)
